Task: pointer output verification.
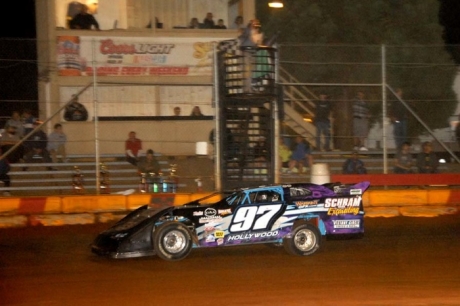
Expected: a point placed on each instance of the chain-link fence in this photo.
(426, 75)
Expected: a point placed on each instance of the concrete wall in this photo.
(87, 209)
(168, 137)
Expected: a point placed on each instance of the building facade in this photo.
(131, 73)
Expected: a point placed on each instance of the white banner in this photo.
(120, 56)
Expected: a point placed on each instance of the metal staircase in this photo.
(298, 106)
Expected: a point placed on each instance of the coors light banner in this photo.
(121, 56)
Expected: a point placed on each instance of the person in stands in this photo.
(177, 111)
(148, 163)
(301, 156)
(403, 159)
(354, 165)
(9, 139)
(427, 161)
(75, 111)
(84, 20)
(208, 22)
(37, 143)
(16, 121)
(133, 148)
(196, 112)
(56, 143)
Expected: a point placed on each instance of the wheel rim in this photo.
(174, 241)
(305, 240)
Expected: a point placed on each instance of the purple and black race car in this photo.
(293, 215)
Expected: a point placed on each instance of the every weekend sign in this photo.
(121, 56)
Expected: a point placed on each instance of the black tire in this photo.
(304, 240)
(172, 241)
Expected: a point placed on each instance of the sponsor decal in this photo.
(220, 241)
(210, 212)
(356, 192)
(346, 223)
(209, 227)
(210, 219)
(224, 212)
(209, 230)
(301, 204)
(337, 189)
(247, 236)
(341, 206)
(219, 234)
(109, 47)
(198, 213)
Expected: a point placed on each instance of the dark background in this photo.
(18, 20)
(18, 69)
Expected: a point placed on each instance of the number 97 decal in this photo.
(253, 217)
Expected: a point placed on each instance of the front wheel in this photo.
(305, 239)
(172, 241)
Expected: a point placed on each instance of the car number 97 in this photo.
(260, 216)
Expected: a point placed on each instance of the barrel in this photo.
(320, 174)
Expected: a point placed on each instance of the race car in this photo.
(296, 216)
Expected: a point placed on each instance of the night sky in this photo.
(18, 20)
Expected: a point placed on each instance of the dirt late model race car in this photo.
(293, 215)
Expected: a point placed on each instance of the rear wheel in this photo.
(305, 239)
(172, 241)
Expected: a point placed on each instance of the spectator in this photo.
(322, 123)
(427, 161)
(194, 24)
(148, 163)
(252, 35)
(75, 111)
(398, 116)
(84, 20)
(28, 121)
(56, 143)
(403, 159)
(238, 23)
(133, 148)
(15, 121)
(354, 165)
(284, 155)
(177, 111)
(196, 112)
(301, 156)
(220, 24)
(208, 22)
(8, 139)
(360, 122)
(38, 143)
(4, 176)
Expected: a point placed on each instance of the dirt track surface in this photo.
(400, 261)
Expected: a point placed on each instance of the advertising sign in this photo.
(121, 56)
